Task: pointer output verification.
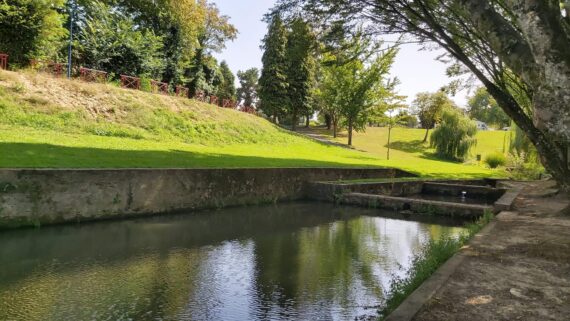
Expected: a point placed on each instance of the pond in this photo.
(292, 261)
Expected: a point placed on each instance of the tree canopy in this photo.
(247, 91)
(519, 50)
(482, 106)
(429, 107)
(168, 40)
(274, 82)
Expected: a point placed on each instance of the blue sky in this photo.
(417, 70)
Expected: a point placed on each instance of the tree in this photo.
(32, 29)
(354, 83)
(483, 107)
(247, 91)
(429, 108)
(408, 119)
(455, 135)
(300, 69)
(392, 121)
(273, 83)
(110, 41)
(514, 48)
(227, 88)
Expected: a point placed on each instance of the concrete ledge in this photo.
(49, 196)
(415, 205)
(505, 203)
(455, 189)
(413, 303)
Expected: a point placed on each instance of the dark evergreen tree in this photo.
(301, 65)
(227, 88)
(273, 84)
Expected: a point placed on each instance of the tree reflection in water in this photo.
(293, 261)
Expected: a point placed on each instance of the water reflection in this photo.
(295, 261)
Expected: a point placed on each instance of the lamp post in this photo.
(71, 14)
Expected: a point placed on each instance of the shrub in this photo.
(524, 167)
(455, 136)
(495, 160)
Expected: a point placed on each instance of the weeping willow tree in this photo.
(455, 136)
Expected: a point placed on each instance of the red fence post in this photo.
(56, 68)
(3, 61)
(158, 87)
(214, 100)
(92, 75)
(130, 82)
(181, 91)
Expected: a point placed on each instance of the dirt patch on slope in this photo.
(520, 272)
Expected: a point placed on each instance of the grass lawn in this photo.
(56, 123)
(409, 153)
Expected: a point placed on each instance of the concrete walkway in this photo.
(520, 271)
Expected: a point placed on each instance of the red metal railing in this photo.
(228, 103)
(214, 100)
(158, 87)
(130, 82)
(249, 110)
(92, 75)
(3, 61)
(56, 68)
(181, 91)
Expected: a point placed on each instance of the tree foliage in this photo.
(32, 29)
(519, 50)
(354, 83)
(429, 107)
(247, 91)
(169, 40)
(274, 82)
(484, 107)
(111, 41)
(227, 87)
(454, 136)
(300, 69)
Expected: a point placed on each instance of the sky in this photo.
(417, 69)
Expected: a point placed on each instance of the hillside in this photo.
(50, 122)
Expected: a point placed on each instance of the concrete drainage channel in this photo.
(461, 198)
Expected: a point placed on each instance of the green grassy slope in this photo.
(47, 122)
(409, 153)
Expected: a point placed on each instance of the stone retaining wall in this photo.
(34, 197)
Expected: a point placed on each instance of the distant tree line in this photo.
(167, 40)
(341, 75)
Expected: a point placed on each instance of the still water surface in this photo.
(296, 261)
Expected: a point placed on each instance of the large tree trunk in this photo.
(307, 121)
(328, 121)
(539, 52)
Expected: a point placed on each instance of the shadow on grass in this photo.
(413, 146)
(25, 155)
